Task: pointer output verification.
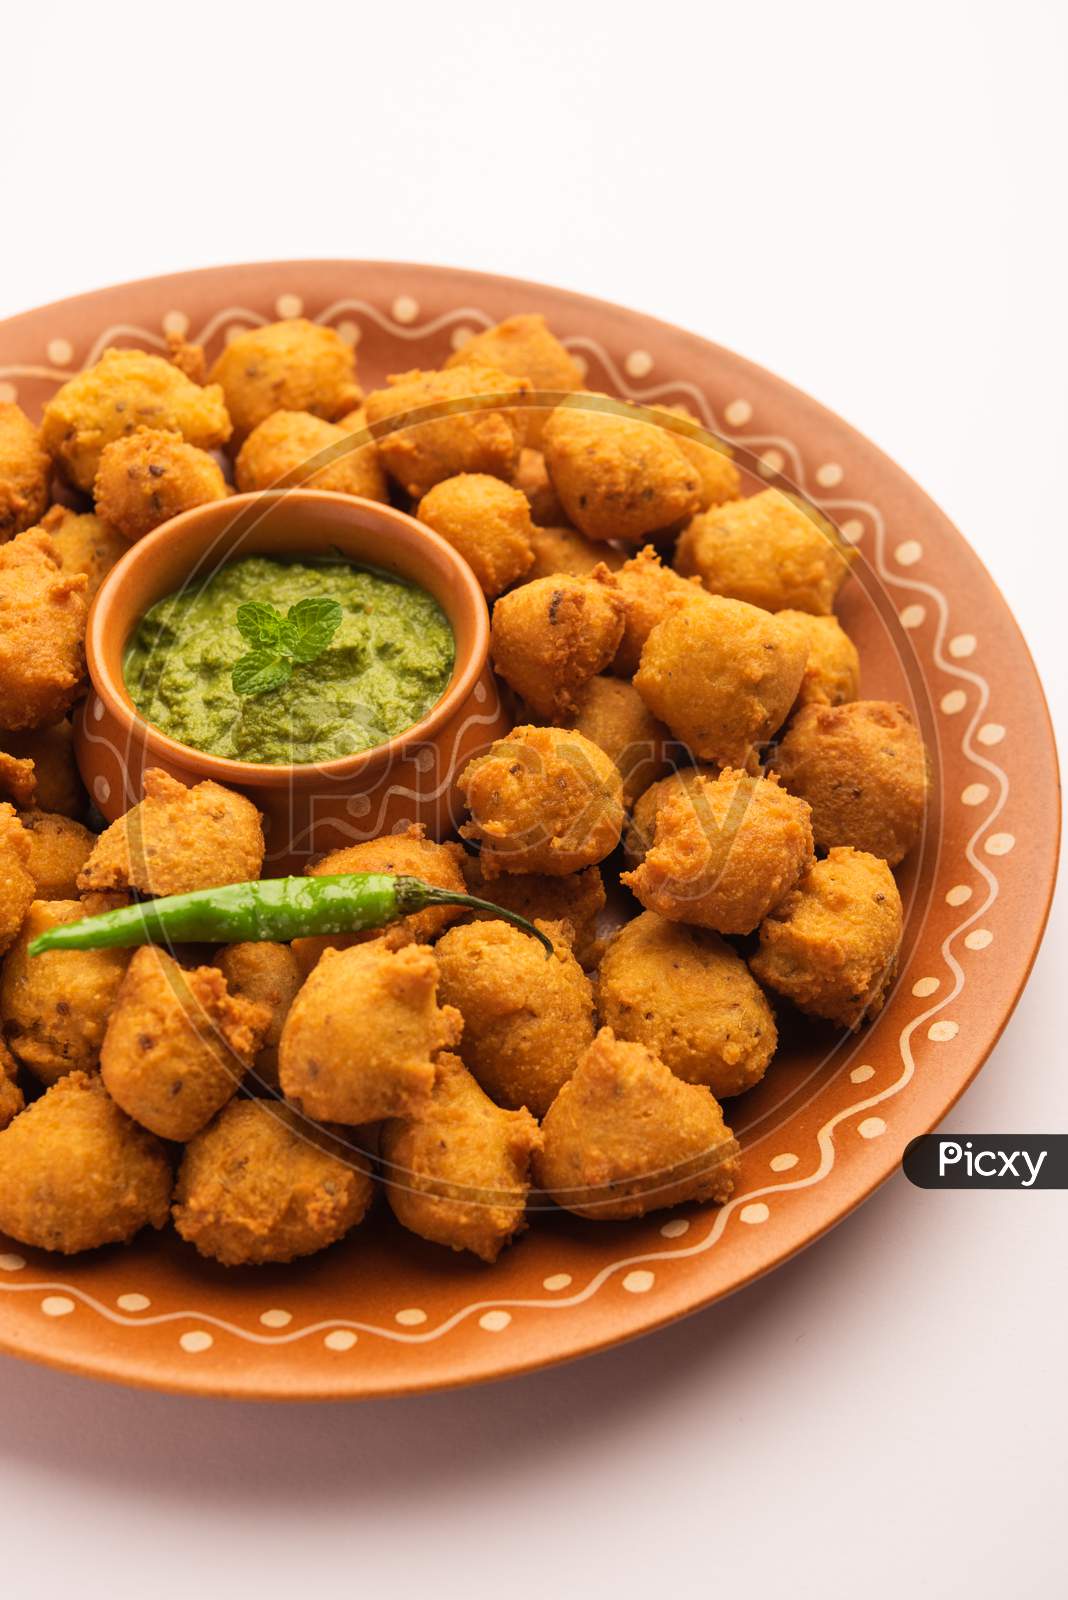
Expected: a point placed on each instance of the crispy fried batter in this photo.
(832, 671)
(488, 522)
(551, 636)
(42, 633)
(59, 848)
(768, 552)
(84, 542)
(16, 876)
(12, 1099)
(576, 900)
(51, 750)
(614, 716)
(524, 346)
(285, 447)
(25, 468)
(149, 476)
(564, 550)
(294, 365)
(641, 825)
(546, 511)
(270, 975)
(650, 592)
(718, 479)
(467, 439)
(18, 781)
(617, 477)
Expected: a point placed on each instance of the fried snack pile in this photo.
(694, 805)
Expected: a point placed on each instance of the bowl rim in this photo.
(462, 598)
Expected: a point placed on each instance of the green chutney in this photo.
(387, 664)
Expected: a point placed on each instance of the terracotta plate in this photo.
(384, 1313)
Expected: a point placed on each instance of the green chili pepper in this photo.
(272, 908)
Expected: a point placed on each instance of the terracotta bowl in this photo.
(307, 809)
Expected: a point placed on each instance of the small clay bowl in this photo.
(309, 809)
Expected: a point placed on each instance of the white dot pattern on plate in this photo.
(675, 1228)
(349, 331)
(852, 530)
(581, 364)
(101, 790)
(133, 1302)
(784, 1162)
(57, 1305)
(953, 702)
(962, 644)
(276, 1318)
(862, 1073)
(908, 553)
(925, 986)
(942, 1032)
(98, 710)
(196, 1341)
(829, 475)
(974, 794)
(8, 394)
(461, 336)
(12, 1263)
(234, 331)
(410, 1317)
(754, 1214)
(640, 1281)
(175, 322)
(772, 461)
(495, 1321)
(60, 352)
(639, 364)
(872, 1128)
(738, 413)
(340, 1339)
(999, 844)
(913, 616)
(991, 733)
(979, 938)
(557, 1280)
(959, 895)
(289, 305)
(405, 309)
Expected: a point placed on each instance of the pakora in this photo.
(650, 592)
(59, 849)
(617, 477)
(614, 716)
(270, 975)
(524, 347)
(549, 637)
(295, 365)
(832, 670)
(566, 550)
(42, 633)
(57, 782)
(147, 477)
(12, 1100)
(84, 542)
(768, 552)
(641, 824)
(25, 470)
(287, 447)
(488, 522)
(576, 899)
(17, 888)
(458, 436)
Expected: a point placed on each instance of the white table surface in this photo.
(869, 200)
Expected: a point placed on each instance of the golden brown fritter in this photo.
(55, 1006)
(58, 782)
(360, 1038)
(17, 780)
(767, 552)
(532, 477)
(617, 477)
(625, 1136)
(641, 824)
(12, 1100)
(465, 439)
(724, 853)
(488, 522)
(614, 716)
(832, 671)
(722, 675)
(177, 1044)
(25, 469)
(16, 878)
(831, 946)
(718, 479)
(524, 347)
(42, 633)
(270, 975)
(406, 855)
(178, 840)
(263, 1184)
(127, 390)
(284, 450)
(863, 770)
(527, 1016)
(149, 476)
(563, 550)
(689, 998)
(458, 1173)
(576, 899)
(187, 357)
(84, 542)
(59, 848)
(650, 592)
(294, 365)
(542, 800)
(75, 1173)
(551, 636)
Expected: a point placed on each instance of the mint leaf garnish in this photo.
(315, 623)
(259, 671)
(278, 642)
(259, 625)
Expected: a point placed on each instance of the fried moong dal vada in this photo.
(724, 853)
(862, 768)
(566, 550)
(831, 945)
(58, 784)
(76, 1173)
(577, 899)
(722, 675)
(768, 552)
(17, 887)
(286, 448)
(832, 670)
(718, 479)
(613, 715)
(650, 592)
(525, 347)
(532, 477)
(689, 998)
(84, 542)
(25, 469)
(147, 477)
(458, 1173)
(542, 800)
(42, 633)
(641, 824)
(625, 1136)
(124, 391)
(527, 1017)
(487, 521)
(466, 438)
(617, 477)
(270, 975)
(263, 1184)
(360, 1038)
(55, 1007)
(59, 848)
(12, 1100)
(177, 1044)
(549, 637)
(295, 365)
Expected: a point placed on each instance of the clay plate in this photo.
(384, 1313)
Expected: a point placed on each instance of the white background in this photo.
(868, 199)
